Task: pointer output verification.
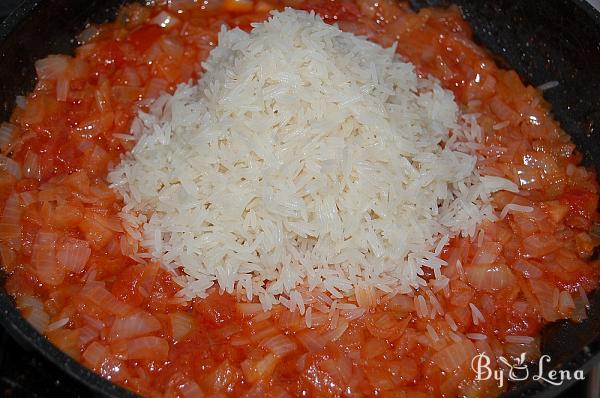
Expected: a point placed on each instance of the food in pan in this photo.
(280, 199)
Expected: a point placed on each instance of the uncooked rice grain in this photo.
(304, 157)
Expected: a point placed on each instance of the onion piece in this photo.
(455, 356)
(90, 32)
(181, 324)
(255, 370)
(11, 215)
(374, 347)
(33, 311)
(7, 131)
(528, 270)
(164, 20)
(487, 254)
(489, 277)
(149, 347)
(138, 324)
(173, 47)
(279, 345)
(539, 245)
(53, 67)
(333, 335)
(31, 166)
(566, 305)
(43, 259)
(191, 389)
(11, 166)
(87, 334)
(98, 295)
(62, 90)
(386, 326)
(95, 354)
(548, 297)
(73, 254)
(312, 340)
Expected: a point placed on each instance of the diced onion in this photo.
(11, 166)
(74, 254)
(95, 354)
(279, 345)
(106, 300)
(33, 311)
(487, 254)
(138, 324)
(333, 335)
(386, 326)
(312, 340)
(191, 389)
(150, 347)
(455, 356)
(87, 334)
(374, 347)
(62, 90)
(31, 165)
(565, 302)
(53, 67)
(181, 325)
(43, 259)
(164, 19)
(172, 47)
(7, 131)
(88, 34)
(528, 270)
(548, 297)
(255, 370)
(21, 101)
(489, 277)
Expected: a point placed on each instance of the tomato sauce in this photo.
(62, 243)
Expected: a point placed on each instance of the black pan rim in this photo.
(23, 332)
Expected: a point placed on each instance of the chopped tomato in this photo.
(143, 37)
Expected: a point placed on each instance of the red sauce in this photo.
(539, 261)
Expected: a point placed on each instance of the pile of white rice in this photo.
(305, 157)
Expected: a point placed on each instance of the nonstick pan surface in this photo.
(550, 40)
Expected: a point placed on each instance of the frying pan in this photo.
(550, 40)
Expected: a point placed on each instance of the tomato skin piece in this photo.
(217, 309)
(143, 37)
(126, 286)
(109, 56)
(583, 207)
(584, 203)
(95, 233)
(66, 216)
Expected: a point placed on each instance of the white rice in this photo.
(432, 333)
(519, 339)
(548, 85)
(476, 336)
(57, 325)
(512, 207)
(304, 156)
(450, 321)
(476, 314)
